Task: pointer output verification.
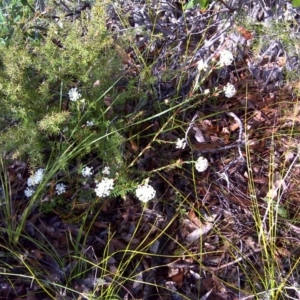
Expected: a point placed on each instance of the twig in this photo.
(239, 141)
(189, 128)
(217, 150)
(235, 261)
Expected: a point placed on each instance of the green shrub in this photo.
(36, 114)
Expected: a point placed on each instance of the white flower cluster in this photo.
(180, 144)
(60, 188)
(226, 58)
(104, 187)
(32, 181)
(229, 90)
(106, 170)
(29, 192)
(202, 65)
(145, 192)
(89, 123)
(74, 94)
(201, 164)
(36, 178)
(87, 171)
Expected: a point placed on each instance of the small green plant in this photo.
(192, 3)
(13, 14)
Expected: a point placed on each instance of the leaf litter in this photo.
(199, 240)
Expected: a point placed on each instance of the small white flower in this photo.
(30, 181)
(229, 90)
(106, 170)
(60, 188)
(104, 188)
(74, 94)
(180, 144)
(28, 192)
(36, 178)
(226, 58)
(145, 192)
(89, 123)
(206, 92)
(87, 171)
(202, 65)
(201, 164)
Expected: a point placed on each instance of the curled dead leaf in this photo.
(177, 275)
(246, 34)
(196, 234)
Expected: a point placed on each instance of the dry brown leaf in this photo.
(36, 254)
(177, 275)
(234, 126)
(246, 34)
(192, 216)
(242, 201)
(117, 245)
(49, 230)
(219, 286)
(129, 239)
(261, 180)
(100, 224)
(134, 146)
(31, 295)
(124, 56)
(206, 146)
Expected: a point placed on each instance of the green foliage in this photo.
(52, 123)
(296, 3)
(192, 3)
(35, 77)
(12, 16)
